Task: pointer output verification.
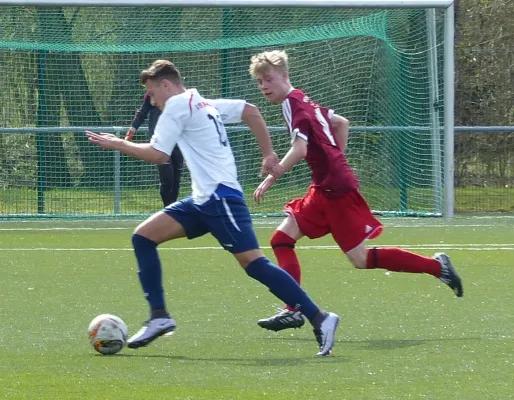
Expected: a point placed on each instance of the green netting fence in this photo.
(66, 69)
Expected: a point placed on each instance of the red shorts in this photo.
(348, 218)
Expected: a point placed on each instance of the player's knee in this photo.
(140, 241)
(248, 257)
(141, 230)
(280, 239)
(358, 257)
(274, 239)
(135, 239)
(137, 231)
(358, 264)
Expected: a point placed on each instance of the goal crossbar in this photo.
(237, 3)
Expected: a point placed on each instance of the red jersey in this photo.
(330, 171)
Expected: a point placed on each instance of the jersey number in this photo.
(220, 128)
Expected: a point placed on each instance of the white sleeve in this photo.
(231, 111)
(168, 130)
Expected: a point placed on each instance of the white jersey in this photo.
(196, 125)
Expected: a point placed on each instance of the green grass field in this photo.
(401, 336)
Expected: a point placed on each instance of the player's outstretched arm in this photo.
(253, 119)
(341, 130)
(296, 153)
(143, 151)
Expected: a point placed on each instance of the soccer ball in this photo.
(107, 334)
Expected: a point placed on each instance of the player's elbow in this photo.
(250, 112)
(160, 158)
(339, 121)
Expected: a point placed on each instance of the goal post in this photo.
(387, 65)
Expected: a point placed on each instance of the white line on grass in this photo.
(464, 247)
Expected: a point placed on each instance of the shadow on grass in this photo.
(388, 344)
(243, 361)
(371, 344)
(383, 344)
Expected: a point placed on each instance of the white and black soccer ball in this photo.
(107, 334)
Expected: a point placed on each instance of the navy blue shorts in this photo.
(226, 218)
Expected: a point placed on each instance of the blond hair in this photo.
(263, 62)
(161, 69)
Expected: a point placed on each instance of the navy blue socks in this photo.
(279, 282)
(150, 273)
(282, 285)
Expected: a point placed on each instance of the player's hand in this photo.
(277, 171)
(105, 140)
(269, 162)
(130, 134)
(258, 195)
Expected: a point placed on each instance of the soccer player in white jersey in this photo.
(216, 205)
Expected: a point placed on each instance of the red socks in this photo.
(398, 260)
(283, 247)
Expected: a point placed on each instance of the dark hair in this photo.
(161, 69)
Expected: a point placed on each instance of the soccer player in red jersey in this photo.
(332, 203)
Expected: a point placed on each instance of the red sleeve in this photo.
(301, 125)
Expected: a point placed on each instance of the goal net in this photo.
(66, 69)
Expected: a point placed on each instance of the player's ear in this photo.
(166, 84)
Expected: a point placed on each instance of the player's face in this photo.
(158, 92)
(274, 85)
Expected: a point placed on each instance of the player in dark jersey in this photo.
(332, 203)
(169, 172)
